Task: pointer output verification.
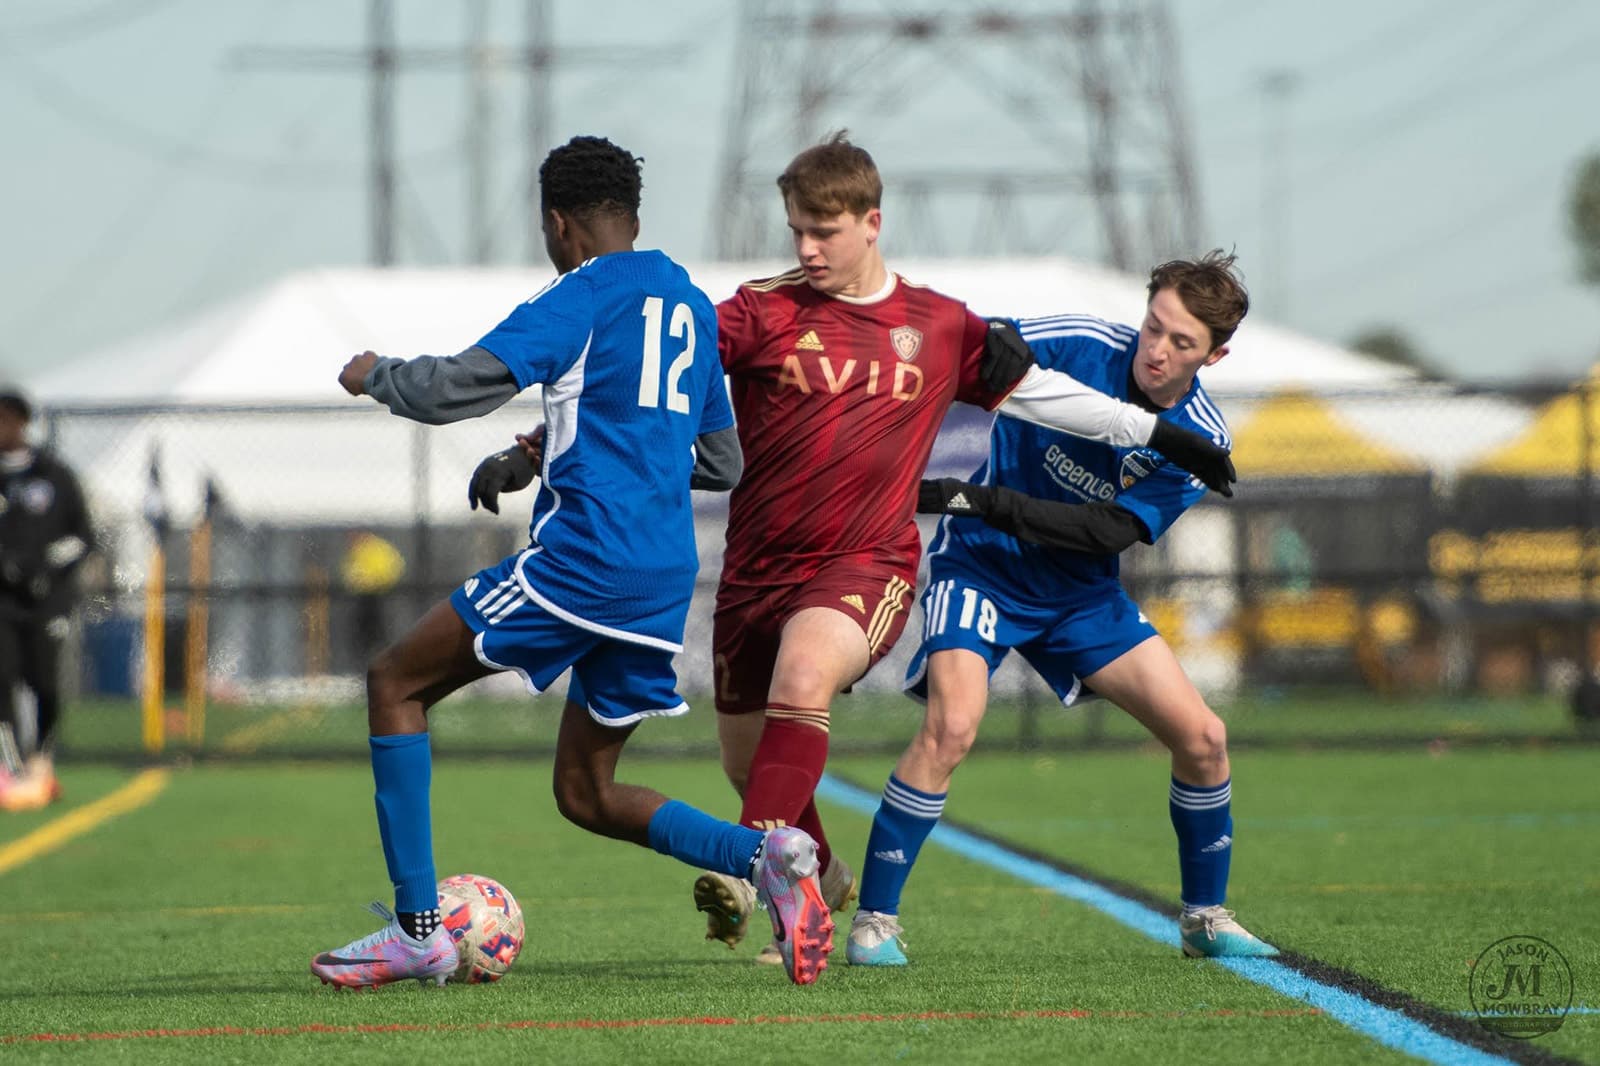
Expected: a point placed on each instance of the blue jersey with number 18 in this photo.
(626, 349)
(1053, 465)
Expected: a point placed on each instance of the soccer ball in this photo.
(486, 924)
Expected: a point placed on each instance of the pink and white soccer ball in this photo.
(486, 923)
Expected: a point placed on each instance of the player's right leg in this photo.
(835, 627)
(820, 652)
(955, 681)
(968, 628)
(434, 658)
(728, 902)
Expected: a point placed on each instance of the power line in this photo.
(189, 153)
(383, 59)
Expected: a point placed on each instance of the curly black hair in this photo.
(590, 176)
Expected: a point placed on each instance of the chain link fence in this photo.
(1433, 545)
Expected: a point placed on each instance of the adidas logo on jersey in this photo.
(1221, 845)
(855, 601)
(808, 341)
(958, 502)
(895, 856)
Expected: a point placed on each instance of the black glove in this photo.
(508, 471)
(1199, 455)
(1006, 357)
(949, 495)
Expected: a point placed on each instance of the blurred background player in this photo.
(369, 570)
(44, 536)
(623, 344)
(1058, 600)
(841, 375)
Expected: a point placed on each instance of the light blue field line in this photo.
(1386, 1026)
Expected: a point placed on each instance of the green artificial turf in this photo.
(192, 918)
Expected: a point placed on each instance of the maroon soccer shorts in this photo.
(749, 621)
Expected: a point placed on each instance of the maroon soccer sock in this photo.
(787, 766)
(811, 822)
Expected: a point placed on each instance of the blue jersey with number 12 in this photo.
(626, 349)
(1053, 465)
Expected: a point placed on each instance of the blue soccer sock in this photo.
(402, 768)
(704, 842)
(905, 818)
(1205, 840)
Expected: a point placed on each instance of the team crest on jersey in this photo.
(906, 341)
(1139, 463)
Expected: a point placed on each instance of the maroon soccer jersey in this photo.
(838, 401)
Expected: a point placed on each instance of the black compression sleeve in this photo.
(1097, 528)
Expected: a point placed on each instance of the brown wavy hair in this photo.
(1211, 289)
(831, 178)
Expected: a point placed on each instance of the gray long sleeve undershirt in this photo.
(440, 389)
(718, 460)
(437, 390)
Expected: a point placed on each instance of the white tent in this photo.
(285, 343)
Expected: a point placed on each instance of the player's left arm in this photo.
(718, 458)
(718, 461)
(1101, 528)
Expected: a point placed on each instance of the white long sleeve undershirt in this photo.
(1060, 401)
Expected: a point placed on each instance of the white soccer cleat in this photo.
(1212, 933)
(875, 940)
(389, 955)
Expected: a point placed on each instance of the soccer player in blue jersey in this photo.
(1027, 560)
(625, 348)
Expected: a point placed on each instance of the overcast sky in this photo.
(1423, 170)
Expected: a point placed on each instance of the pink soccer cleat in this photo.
(387, 956)
(786, 884)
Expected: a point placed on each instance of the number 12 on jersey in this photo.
(650, 384)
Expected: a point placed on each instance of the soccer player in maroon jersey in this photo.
(841, 373)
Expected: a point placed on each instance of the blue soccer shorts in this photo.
(620, 682)
(1063, 643)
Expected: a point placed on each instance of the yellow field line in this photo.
(247, 739)
(50, 836)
